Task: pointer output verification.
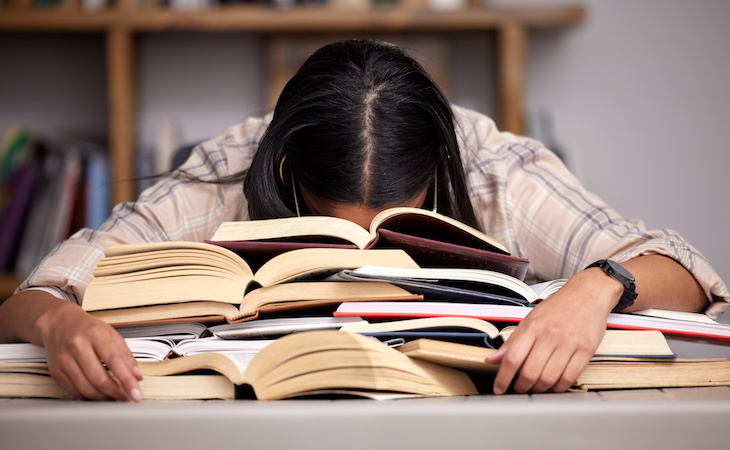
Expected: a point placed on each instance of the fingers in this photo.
(537, 372)
(80, 371)
(80, 382)
(123, 366)
(510, 359)
(536, 365)
(545, 375)
(110, 349)
(571, 373)
(64, 381)
(536, 375)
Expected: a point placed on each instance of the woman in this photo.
(362, 127)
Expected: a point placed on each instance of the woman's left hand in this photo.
(554, 343)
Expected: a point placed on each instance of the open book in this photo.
(159, 281)
(457, 284)
(33, 380)
(468, 330)
(311, 363)
(455, 329)
(432, 239)
(601, 373)
(145, 349)
(691, 326)
(324, 362)
(24, 370)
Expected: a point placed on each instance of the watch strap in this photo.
(629, 294)
(626, 300)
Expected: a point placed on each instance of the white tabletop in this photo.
(695, 418)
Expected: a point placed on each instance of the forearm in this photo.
(552, 345)
(76, 344)
(21, 315)
(663, 283)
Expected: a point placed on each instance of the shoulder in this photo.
(229, 152)
(485, 148)
(245, 133)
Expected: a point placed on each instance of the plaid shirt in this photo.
(523, 196)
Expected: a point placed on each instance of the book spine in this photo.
(97, 190)
(15, 214)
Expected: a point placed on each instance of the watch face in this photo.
(619, 270)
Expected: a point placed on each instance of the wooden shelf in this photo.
(262, 19)
(120, 25)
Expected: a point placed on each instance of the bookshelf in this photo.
(121, 23)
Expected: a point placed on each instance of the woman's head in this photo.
(361, 124)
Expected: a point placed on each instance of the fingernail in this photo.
(137, 373)
(136, 395)
(497, 391)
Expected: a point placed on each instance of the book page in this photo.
(289, 227)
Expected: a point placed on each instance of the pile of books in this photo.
(317, 306)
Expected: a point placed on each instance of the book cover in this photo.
(97, 190)
(457, 284)
(14, 216)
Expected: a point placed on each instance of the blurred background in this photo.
(634, 96)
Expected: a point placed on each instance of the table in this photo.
(683, 418)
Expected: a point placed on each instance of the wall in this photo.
(53, 82)
(202, 82)
(640, 94)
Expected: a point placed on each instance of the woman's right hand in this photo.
(86, 356)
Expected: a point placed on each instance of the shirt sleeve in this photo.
(528, 198)
(174, 208)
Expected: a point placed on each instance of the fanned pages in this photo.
(431, 239)
(299, 364)
(184, 280)
(321, 362)
(33, 380)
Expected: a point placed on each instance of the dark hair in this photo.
(361, 122)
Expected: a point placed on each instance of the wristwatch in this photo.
(623, 276)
